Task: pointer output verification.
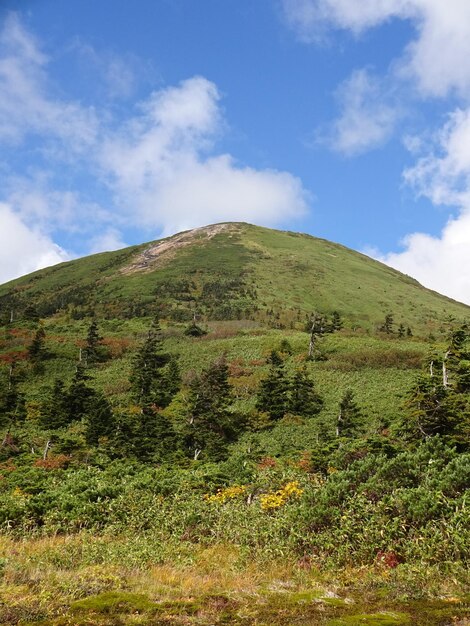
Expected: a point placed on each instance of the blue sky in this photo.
(122, 122)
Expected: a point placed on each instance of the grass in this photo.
(53, 581)
(283, 275)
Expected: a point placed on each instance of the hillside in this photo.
(177, 446)
(231, 271)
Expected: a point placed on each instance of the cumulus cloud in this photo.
(23, 249)
(442, 175)
(366, 119)
(26, 106)
(432, 65)
(311, 18)
(157, 170)
(110, 239)
(440, 263)
(39, 201)
(434, 60)
(160, 163)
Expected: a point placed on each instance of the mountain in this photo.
(160, 409)
(232, 271)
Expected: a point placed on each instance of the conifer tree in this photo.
(155, 440)
(401, 331)
(147, 376)
(36, 349)
(93, 351)
(273, 393)
(428, 411)
(12, 401)
(304, 400)
(99, 419)
(349, 422)
(54, 411)
(387, 326)
(211, 425)
(79, 396)
(336, 321)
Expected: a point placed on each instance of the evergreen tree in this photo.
(79, 396)
(273, 393)
(304, 400)
(54, 411)
(172, 379)
(275, 359)
(387, 326)
(285, 347)
(12, 401)
(428, 411)
(147, 376)
(409, 332)
(99, 419)
(155, 439)
(211, 425)
(93, 351)
(193, 330)
(36, 349)
(336, 321)
(401, 331)
(349, 422)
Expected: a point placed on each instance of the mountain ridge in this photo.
(231, 270)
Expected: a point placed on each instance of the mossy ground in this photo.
(43, 586)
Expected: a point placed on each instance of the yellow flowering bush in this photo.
(229, 493)
(19, 493)
(270, 501)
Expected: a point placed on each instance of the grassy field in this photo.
(86, 580)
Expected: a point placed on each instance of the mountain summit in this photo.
(231, 271)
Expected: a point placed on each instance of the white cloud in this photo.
(37, 200)
(25, 104)
(432, 65)
(110, 239)
(435, 61)
(115, 76)
(23, 249)
(366, 119)
(310, 18)
(158, 164)
(442, 175)
(440, 263)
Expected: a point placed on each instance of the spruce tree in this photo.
(401, 331)
(36, 349)
(79, 396)
(147, 376)
(93, 351)
(211, 425)
(387, 326)
(273, 393)
(54, 410)
(349, 422)
(336, 321)
(99, 419)
(429, 410)
(155, 439)
(304, 400)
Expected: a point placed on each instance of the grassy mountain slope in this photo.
(290, 522)
(232, 271)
